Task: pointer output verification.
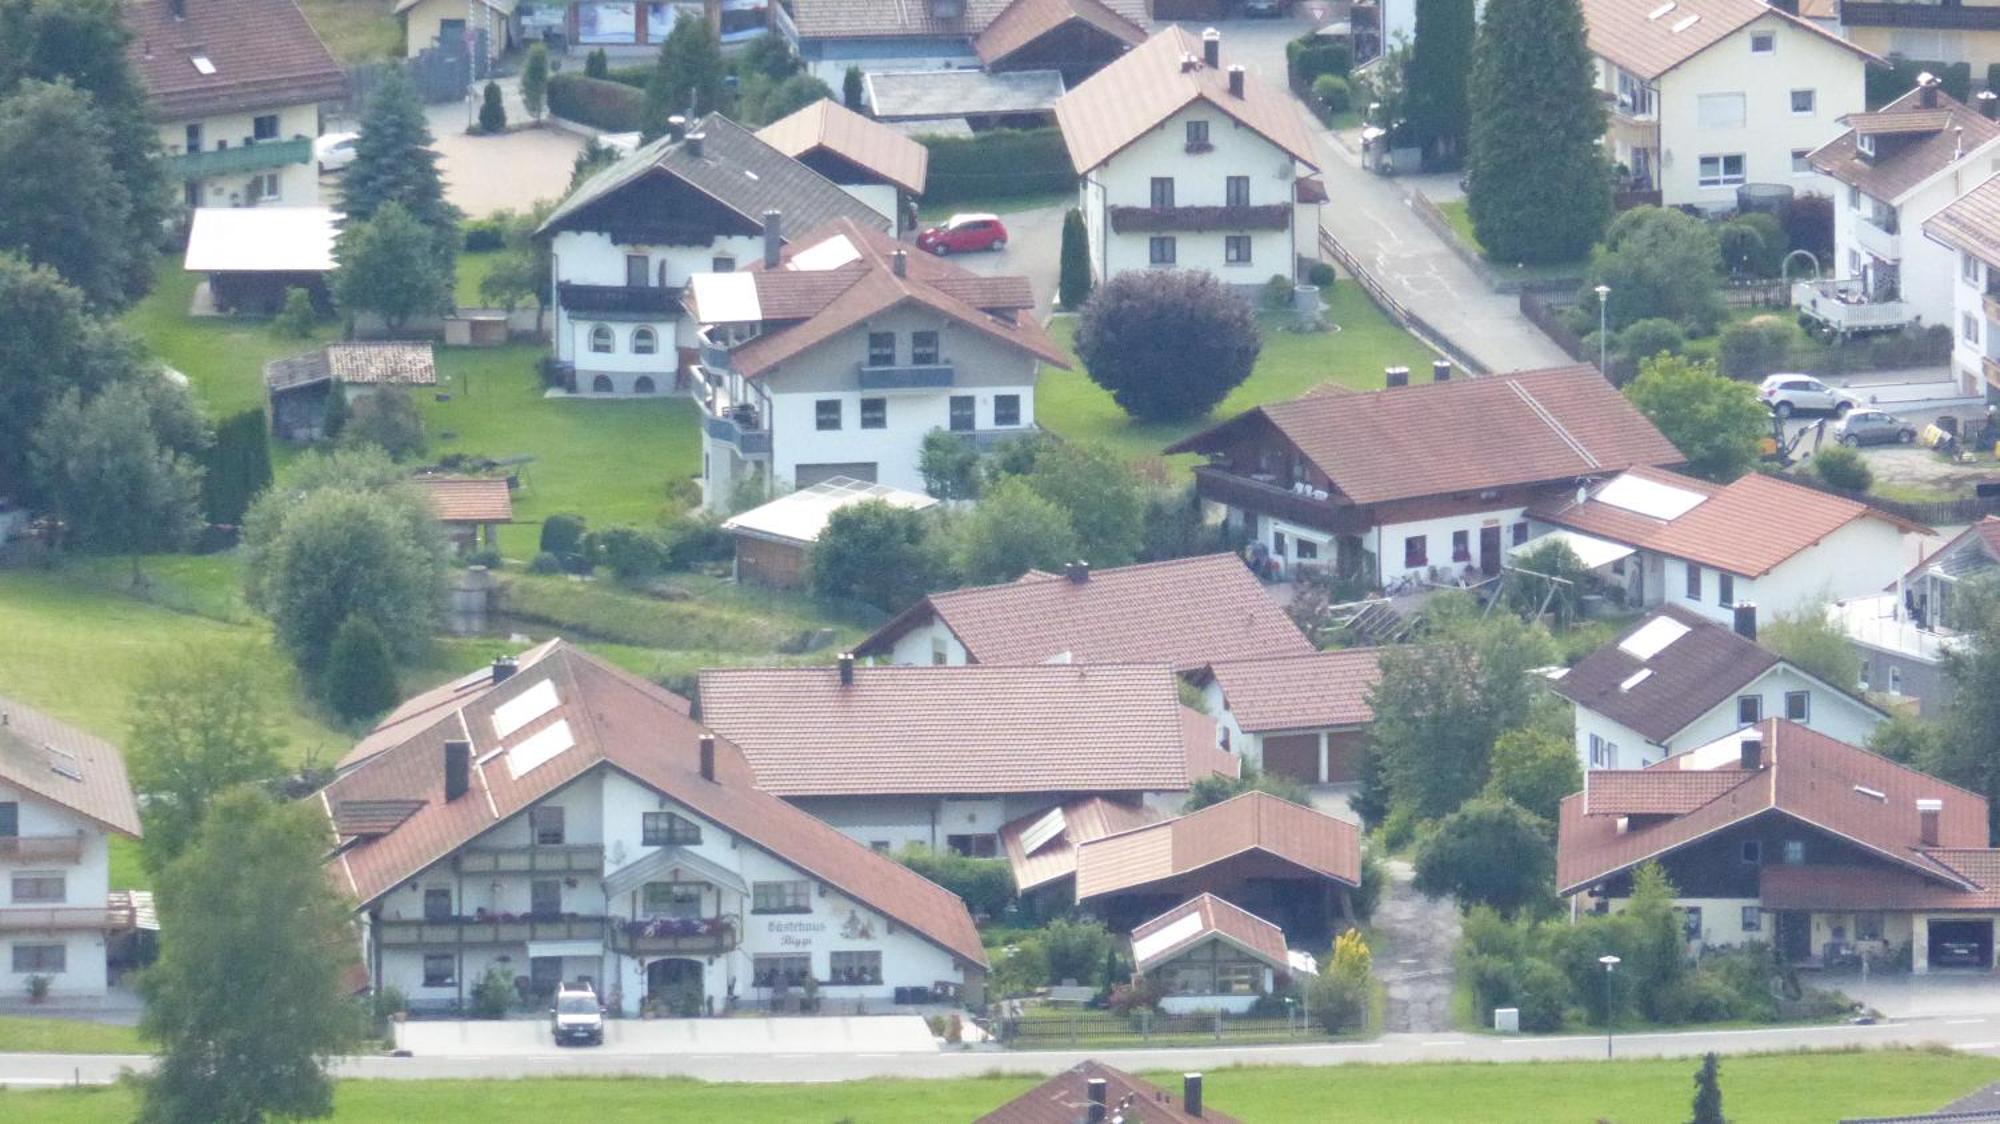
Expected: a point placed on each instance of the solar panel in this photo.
(1154, 943)
(1043, 831)
(539, 748)
(1636, 678)
(1653, 638)
(1650, 498)
(524, 708)
(64, 763)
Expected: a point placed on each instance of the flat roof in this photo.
(261, 240)
(914, 94)
(800, 516)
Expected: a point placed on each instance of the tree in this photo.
(296, 318)
(52, 140)
(1717, 423)
(394, 161)
(1966, 748)
(949, 465)
(360, 672)
(1012, 531)
(1100, 494)
(789, 96)
(520, 272)
(387, 418)
(1547, 577)
(122, 470)
(877, 554)
(1708, 1092)
(492, 110)
(246, 1003)
(1491, 852)
(1658, 264)
(1340, 995)
(687, 79)
(1842, 467)
(851, 90)
(1810, 641)
(1073, 286)
(53, 345)
(597, 64)
(1906, 739)
(1440, 60)
(390, 265)
(1533, 77)
(1169, 344)
(1077, 950)
(236, 468)
(1535, 767)
(535, 80)
(201, 723)
(1214, 788)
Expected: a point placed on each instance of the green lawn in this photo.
(1455, 213)
(1770, 1089)
(222, 356)
(472, 269)
(27, 1034)
(356, 30)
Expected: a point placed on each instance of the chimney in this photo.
(1235, 81)
(1078, 572)
(774, 238)
(899, 263)
(847, 669)
(1211, 48)
(1397, 376)
(1928, 812)
(1989, 103)
(1440, 370)
(1750, 751)
(457, 769)
(1191, 1093)
(1746, 620)
(504, 668)
(1927, 90)
(706, 748)
(677, 127)
(693, 144)
(1095, 1087)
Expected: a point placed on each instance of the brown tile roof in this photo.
(367, 364)
(1065, 1099)
(1872, 888)
(969, 729)
(1705, 667)
(1904, 159)
(1216, 918)
(468, 499)
(426, 707)
(1253, 821)
(1092, 817)
(56, 762)
(1868, 800)
(1140, 90)
(826, 124)
(1466, 435)
(1652, 37)
(875, 19)
(1971, 224)
(265, 56)
(1024, 21)
(618, 721)
(1299, 692)
(1653, 792)
(1186, 612)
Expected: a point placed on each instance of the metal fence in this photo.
(1142, 1028)
(441, 72)
(1933, 513)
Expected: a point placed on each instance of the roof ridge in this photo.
(1549, 420)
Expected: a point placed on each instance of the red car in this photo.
(964, 233)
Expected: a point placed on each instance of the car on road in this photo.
(334, 151)
(962, 234)
(1873, 427)
(577, 1017)
(1785, 395)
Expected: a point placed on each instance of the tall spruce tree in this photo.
(1440, 62)
(1539, 189)
(51, 141)
(393, 159)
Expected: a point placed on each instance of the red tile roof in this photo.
(426, 707)
(981, 728)
(1186, 612)
(1299, 692)
(1024, 21)
(1948, 132)
(827, 124)
(468, 499)
(1653, 792)
(1092, 817)
(1216, 918)
(53, 761)
(1971, 224)
(1650, 39)
(1466, 435)
(1065, 1099)
(621, 722)
(264, 55)
(1251, 822)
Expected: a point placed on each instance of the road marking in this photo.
(1962, 1022)
(1448, 1042)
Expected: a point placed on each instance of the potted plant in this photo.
(38, 988)
(810, 985)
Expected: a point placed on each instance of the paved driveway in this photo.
(1973, 997)
(881, 1035)
(1034, 251)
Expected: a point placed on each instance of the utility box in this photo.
(1507, 1020)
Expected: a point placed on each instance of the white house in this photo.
(1678, 680)
(1208, 954)
(1903, 636)
(1968, 230)
(1187, 166)
(63, 795)
(237, 89)
(557, 820)
(1705, 96)
(625, 242)
(1894, 169)
(839, 356)
(1300, 716)
(876, 164)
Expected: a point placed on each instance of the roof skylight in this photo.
(1043, 831)
(1662, 10)
(1636, 678)
(1650, 498)
(1152, 944)
(1685, 23)
(202, 65)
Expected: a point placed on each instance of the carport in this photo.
(1960, 942)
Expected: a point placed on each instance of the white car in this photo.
(334, 151)
(577, 1017)
(1787, 394)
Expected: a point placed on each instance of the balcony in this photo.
(1934, 17)
(1989, 368)
(1991, 303)
(43, 919)
(570, 858)
(1169, 220)
(1845, 307)
(41, 848)
(487, 930)
(1218, 484)
(714, 358)
(741, 429)
(619, 302)
(262, 156)
(1875, 233)
(705, 936)
(907, 376)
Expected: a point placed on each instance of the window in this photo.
(601, 384)
(437, 905)
(984, 846)
(546, 824)
(1693, 582)
(1868, 926)
(780, 971)
(1197, 136)
(1720, 111)
(1236, 249)
(545, 897)
(1895, 680)
(670, 899)
(1278, 543)
(1691, 922)
(1853, 198)
(1798, 706)
(1521, 532)
(1416, 552)
(1236, 191)
(10, 819)
(40, 959)
(1239, 978)
(38, 886)
(1763, 43)
(1803, 102)
(780, 897)
(1160, 250)
(1163, 193)
(879, 846)
(1006, 409)
(874, 413)
(266, 187)
(1725, 589)
(1795, 852)
(265, 127)
(600, 338)
(1721, 171)
(826, 414)
(438, 969)
(723, 264)
(924, 349)
(1751, 852)
(1753, 919)
(940, 655)
(663, 829)
(645, 341)
(1461, 546)
(855, 968)
(1799, 165)
(638, 271)
(963, 408)
(881, 349)
(193, 139)
(1968, 327)
(1749, 709)
(1600, 752)
(1968, 269)
(1306, 550)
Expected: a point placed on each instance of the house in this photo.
(1428, 482)
(1664, 538)
(1186, 613)
(296, 389)
(1093, 1092)
(1706, 96)
(1299, 716)
(943, 756)
(1041, 846)
(1981, 1106)
(1677, 681)
(1209, 955)
(237, 89)
(627, 239)
(1074, 37)
(1894, 169)
(873, 162)
(1903, 636)
(1969, 230)
(63, 797)
(1786, 836)
(471, 508)
(1156, 133)
(251, 258)
(555, 820)
(774, 542)
(840, 354)
(1950, 31)
(443, 25)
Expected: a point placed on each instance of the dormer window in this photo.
(1865, 145)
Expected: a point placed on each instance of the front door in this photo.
(1795, 935)
(1489, 550)
(674, 987)
(544, 975)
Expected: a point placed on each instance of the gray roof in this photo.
(911, 94)
(735, 169)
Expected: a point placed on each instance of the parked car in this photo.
(334, 151)
(1958, 954)
(1873, 427)
(1256, 9)
(577, 1017)
(1787, 394)
(963, 234)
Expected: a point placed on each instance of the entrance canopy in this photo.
(1592, 552)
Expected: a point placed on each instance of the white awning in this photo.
(565, 948)
(261, 240)
(671, 864)
(1592, 552)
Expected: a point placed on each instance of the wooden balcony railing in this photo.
(63, 917)
(1220, 485)
(488, 930)
(41, 848)
(698, 936)
(568, 858)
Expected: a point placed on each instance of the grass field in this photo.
(222, 356)
(1771, 1089)
(356, 30)
(28, 1034)
(1455, 213)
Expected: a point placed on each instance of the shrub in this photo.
(1658, 262)
(562, 534)
(296, 318)
(630, 553)
(996, 164)
(1320, 273)
(487, 234)
(492, 111)
(1341, 992)
(1770, 239)
(1374, 879)
(360, 675)
(1169, 345)
(1277, 293)
(695, 539)
(389, 419)
(535, 80)
(1744, 250)
(601, 104)
(1842, 467)
(1076, 950)
(1142, 994)
(545, 563)
(1017, 969)
(1808, 223)
(493, 995)
(1542, 995)
(987, 885)
(1333, 93)
(596, 64)
(1308, 63)
(1754, 348)
(1643, 339)
(1073, 285)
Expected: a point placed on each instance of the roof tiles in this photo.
(1024, 21)
(262, 54)
(1065, 1099)
(1251, 822)
(1300, 692)
(1651, 37)
(1215, 917)
(1904, 158)
(828, 125)
(1706, 666)
(1971, 223)
(63, 765)
(468, 499)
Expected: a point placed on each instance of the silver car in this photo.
(1785, 394)
(1873, 427)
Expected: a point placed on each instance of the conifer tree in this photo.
(1440, 63)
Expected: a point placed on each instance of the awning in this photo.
(565, 948)
(1592, 552)
(672, 864)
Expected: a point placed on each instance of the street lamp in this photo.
(1603, 351)
(1609, 963)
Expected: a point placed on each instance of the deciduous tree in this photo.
(877, 554)
(1491, 852)
(122, 469)
(1012, 531)
(1535, 766)
(1101, 495)
(52, 140)
(52, 345)
(1169, 345)
(1811, 641)
(1658, 264)
(388, 419)
(1716, 422)
(390, 265)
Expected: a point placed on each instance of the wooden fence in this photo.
(1395, 309)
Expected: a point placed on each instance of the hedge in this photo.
(997, 164)
(611, 106)
(1884, 86)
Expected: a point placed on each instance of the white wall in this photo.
(1833, 713)
(85, 884)
(590, 257)
(1860, 559)
(1387, 540)
(1926, 268)
(919, 646)
(881, 198)
(1625, 748)
(298, 184)
(1968, 298)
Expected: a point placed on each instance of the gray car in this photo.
(1873, 427)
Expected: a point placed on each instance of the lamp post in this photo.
(1603, 338)
(1609, 963)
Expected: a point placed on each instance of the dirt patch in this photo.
(1908, 467)
(1421, 938)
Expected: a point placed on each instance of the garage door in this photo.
(1293, 755)
(1343, 756)
(809, 474)
(1961, 944)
